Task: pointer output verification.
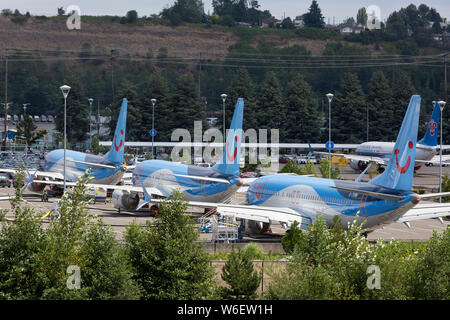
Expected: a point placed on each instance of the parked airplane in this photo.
(385, 199)
(214, 184)
(380, 152)
(107, 169)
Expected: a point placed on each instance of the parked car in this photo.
(249, 175)
(5, 181)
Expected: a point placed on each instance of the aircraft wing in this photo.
(356, 157)
(283, 215)
(426, 210)
(47, 174)
(436, 160)
(153, 191)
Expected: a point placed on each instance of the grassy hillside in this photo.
(183, 41)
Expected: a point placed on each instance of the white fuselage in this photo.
(385, 150)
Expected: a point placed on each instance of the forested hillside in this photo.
(282, 73)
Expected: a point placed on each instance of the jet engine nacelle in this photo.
(36, 187)
(125, 200)
(358, 165)
(257, 227)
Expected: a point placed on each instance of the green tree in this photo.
(361, 17)
(348, 109)
(240, 276)
(381, 106)
(324, 170)
(96, 147)
(191, 11)
(156, 89)
(77, 110)
(135, 127)
(271, 108)
(291, 238)
(302, 115)
(241, 86)
(186, 105)
(314, 18)
(402, 88)
(432, 272)
(167, 261)
(27, 129)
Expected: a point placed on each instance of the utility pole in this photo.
(98, 118)
(6, 99)
(112, 74)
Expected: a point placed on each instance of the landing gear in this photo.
(154, 210)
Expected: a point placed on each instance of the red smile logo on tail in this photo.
(433, 126)
(118, 147)
(233, 157)
(403, 169)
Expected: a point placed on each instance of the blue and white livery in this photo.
(387, 198)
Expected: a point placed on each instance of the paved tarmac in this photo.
(427, 178)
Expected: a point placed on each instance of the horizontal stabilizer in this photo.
(91, 164)
(428, 210)
(371, 193)
(431, 195)
(202, 178)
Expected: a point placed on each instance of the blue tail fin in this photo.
(116, 151)
(400, 170)
(430, 138)
(232, 150)
(311, 150)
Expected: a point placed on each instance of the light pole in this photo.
(6, 122)
(65, 91)
(90, 110)
(153, 126)
(441, 105)
(224, 97)
(25, 108)
(330, 97)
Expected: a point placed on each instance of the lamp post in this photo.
(65, 91)
(6, 122)
(90, 110)
(330, 97)
(441, 105)
(153, 126)
(25, 108)
(224, 97)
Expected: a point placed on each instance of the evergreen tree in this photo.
(186, 105)
(135, 127)
(27, 128)
(314, 18)
(238, 272)
(241, 87)
(77, 112)
(301, 112)
(402, 91)
(167, 261)
(271, 111)
(361, 17)
(381, 107)
(156, 89)
(348, 111)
